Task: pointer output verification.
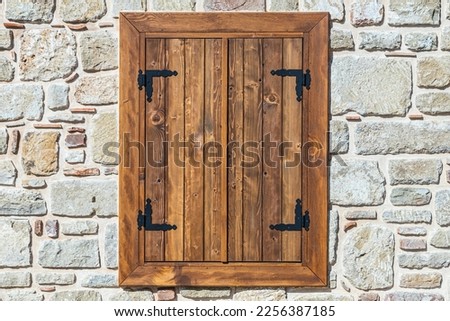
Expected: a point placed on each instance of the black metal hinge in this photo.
(301, 79)
(301, 221)
(146, 80)
(145, 220)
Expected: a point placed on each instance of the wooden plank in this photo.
(213, 146)
(227, 36)
(272, 135)
(292, 134)
(175, 132)
(252, 196)
(236, 139)
(193, 219)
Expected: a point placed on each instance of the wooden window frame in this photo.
(134, 29)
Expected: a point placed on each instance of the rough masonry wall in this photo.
(390, 133)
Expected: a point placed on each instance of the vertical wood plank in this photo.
(175, 133)
(292, 133)
(155, 136)
(252, 198)
(213, 140)
(272, 134)
(193, 224)
(236, 137)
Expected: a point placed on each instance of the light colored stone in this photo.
(260, 295)
(15, 237)
(408, 296)
(361, 215)
(78, 295)
(413, 244)
(417, 41)
(282, 5)
(210, 293)
(421, 280)
(396, 137)
(99, 50)
(434, 103)
(75, 156)
(339, 137)
(341, 39)
(333, 280)
(127, 5)
(442, 205)
(97, 90)
(369, 297)
(333, 223)
(105, 132)
(407, 216)
(321, 297)
(40, 153)
(66, 117)
(52, 228)
(79, 228)
(165, 294)
(34, 183)
(111, 240)
(334, 7)
(402, 196)
(100, 281)
(28, 102)
(414, 12)
(6, 39)
(358, 81)
(380, 40)
(19, 202)
(30, 10)
(445, 38)
(434, 260)
(366, 12)
(69, 253)
(357, 183)
(82, 198)
(6, 69)
(55, 278)
(58, 96)
(441, 239)
(412, 231)
(47, 54)
(214, 5)
(415, 171)
(8, 173)
(82, 10)
(433, 72)
(132, 296)
(4, 137)
(15, 279)
(21, 295)
(369, 257)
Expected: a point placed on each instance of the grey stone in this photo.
(40, 153)
(81, 198)
(28, 102)
(100, 281)
(6, 39)
(334, 7)
(8, 173)
(209, 293)
(442, 206)
(441, 239)
(412, 231)
(77, 295)
(357, 183)
(260, 295)
(69, 253)
(361, 215)
(283, 5)
(333, 220)
(15, 236)
(417, 41)
(52, 228)
(20, 202)
(421, 280)
(15, 279)
(407, 216)
(4, 137)
(65, 117)
(369, 257)
(433, 72)
(58, 96)
(75, 156)
(97, 90)
(413, 244)
(333, 280)
(99, 50)
(82, 10)
(132, 296)
(366, 12)
(322, 297)
(111, 240)
(355, 88)
(214, 5)
(339, 137)
(380, 40)
(6, 69)
(396, 137)
(445, 38)
(128, 5)
(402, 196)
(47, 54)
(105, 132)
(414, 12)
(34, 183)
(30, 10)
(434, 103)
(22, 295)
(341, 39)
(55, 278)
(409, 296)
(433, 260)
(415, 171)
(370, 296)
(79, 228)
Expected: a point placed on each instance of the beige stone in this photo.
(6, 69)
(99, 50)
(97, 90)
(341, 39)
(229, 5)
(366, 12)
(105, 138)
(433, 103)
(40, 153)
(414, 12)
(334, 7)
(82, 10)
(433, 72)
(30, 10)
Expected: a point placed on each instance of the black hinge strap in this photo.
(146, 80)
(145, 220)
(301, 79)
(301, 221)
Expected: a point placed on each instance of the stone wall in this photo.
(390, 136)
